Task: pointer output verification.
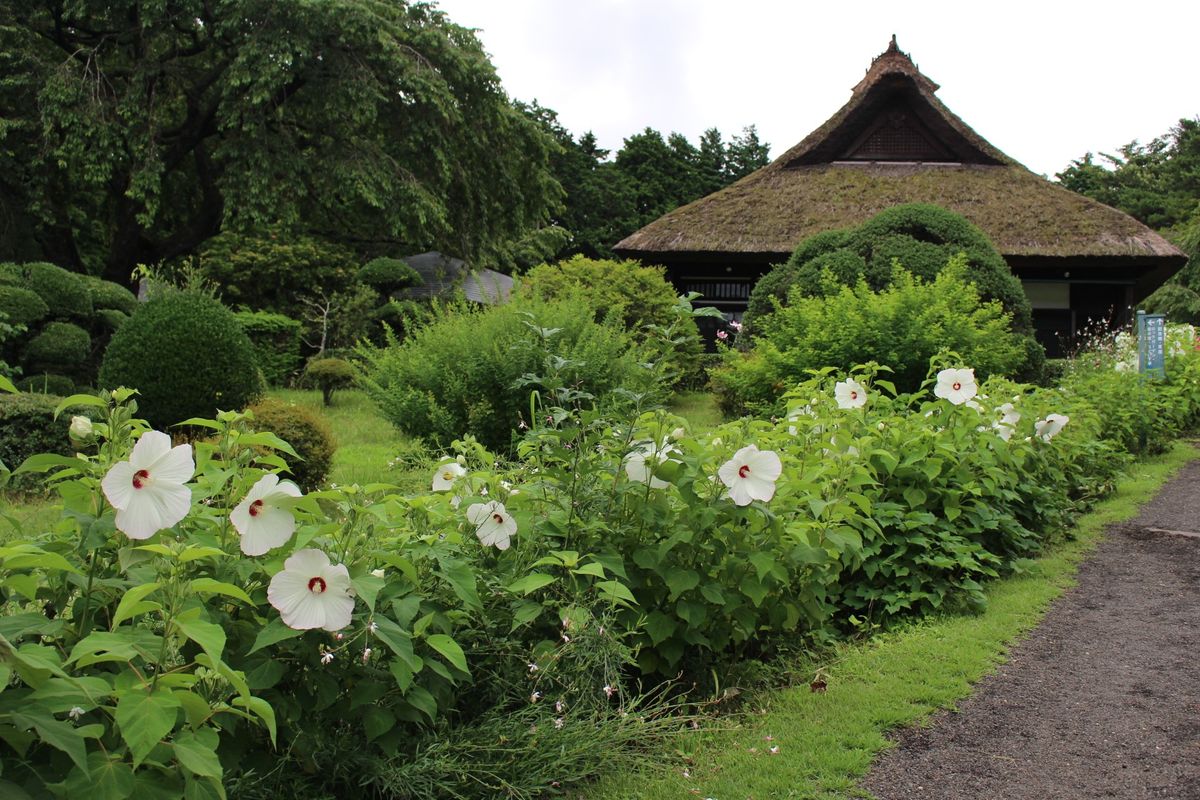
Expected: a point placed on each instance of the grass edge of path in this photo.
(826, 742)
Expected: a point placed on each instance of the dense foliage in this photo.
(329, 375)
(65, 322)
(485, 636)
(28, 426)
(902, 325)
(471, 370)
(639, 296)
(187, 356)
(1159, 184)
(359, 121)
(919, 238)
(276, 340)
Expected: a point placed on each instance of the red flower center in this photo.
(256, 508)
(854, 395)
(316, 585)
(499, 519)
(956, 386)
(139, 478)
(743, 470)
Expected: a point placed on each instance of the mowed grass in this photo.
(366, 442)
(700, 409)
(826, 742)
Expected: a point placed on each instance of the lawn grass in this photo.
(827, 741)
(366, 442)
(700, 409)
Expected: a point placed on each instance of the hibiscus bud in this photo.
(81, 430)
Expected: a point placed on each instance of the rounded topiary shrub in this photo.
(106, 294)
(187, 356)
(60, 345)
(306, 431)
(66, 293)
(21, 306)
(386, 275)
(111, 319)
(329, 375)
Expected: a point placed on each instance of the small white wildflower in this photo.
(559, 722)
(75, 713)
(327, 658)
(608, 690)
(366, 656)
(533, 698)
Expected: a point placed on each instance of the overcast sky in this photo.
(1044, 82)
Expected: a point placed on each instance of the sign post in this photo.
(1152, 343)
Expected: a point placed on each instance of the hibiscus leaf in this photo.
(210, 586)
(367, 587)
(201, 422)
(531, 583)
(131, 603)
(56, 733)
(377, 722)
(197, 752)
(45, 461)
(7, 386)
(261, 709)
(210, 637)
(680, 581)
(592, 568)
(275, 631)
(616, 591)
(78, 400)
(144, 719)
(450, 650)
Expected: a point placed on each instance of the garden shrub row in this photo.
(465, 640)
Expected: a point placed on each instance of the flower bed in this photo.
(195, 622)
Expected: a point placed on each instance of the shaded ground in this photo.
(1102, 700)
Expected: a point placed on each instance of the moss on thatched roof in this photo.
(822, 184)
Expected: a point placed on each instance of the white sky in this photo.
(1044, 81)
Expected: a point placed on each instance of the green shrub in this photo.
(387, 275)
(111, 319)
(276, 340)
(187, 356)
(639, 296)
(21, 306)
(329, 375)
(921, 238)
(469, 371)
(28, 427)
(306, 431)
(272, 272)
(47, 383)
(60, 345)
(109, 295)
(64, 292)
(903, 326)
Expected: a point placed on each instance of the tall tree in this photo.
(746, 154)
(135, 130)
(711, 162)
(1158, 183)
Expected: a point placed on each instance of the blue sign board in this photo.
(1152, 343)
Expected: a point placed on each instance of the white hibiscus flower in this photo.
(850, 394)
(1049, 427)
(446, 474)
(148, 490)
(639, 464)
(956, 385)
(263, 517)
(311, 592)
(751, 475)
(493, 525)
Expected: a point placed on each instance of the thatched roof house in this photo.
(894, 142)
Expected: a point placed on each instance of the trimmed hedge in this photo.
(329, 375)
(60, 345)
(22, 306)
(276, 340)
(47, 383)
(187, 356)
(66, 293)
(28, 427)
(106, 294)
(387, 275)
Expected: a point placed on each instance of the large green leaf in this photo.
(274, 631)
(210, 637)
(145, 718)
(197, 752)
(56, 733)
(131, 603)
(449, 649)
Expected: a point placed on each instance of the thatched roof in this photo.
(848, 170)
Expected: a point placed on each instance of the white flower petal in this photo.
(118, 484)
(151, 446)
(174, 466)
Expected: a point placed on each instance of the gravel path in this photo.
(1102, 700)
